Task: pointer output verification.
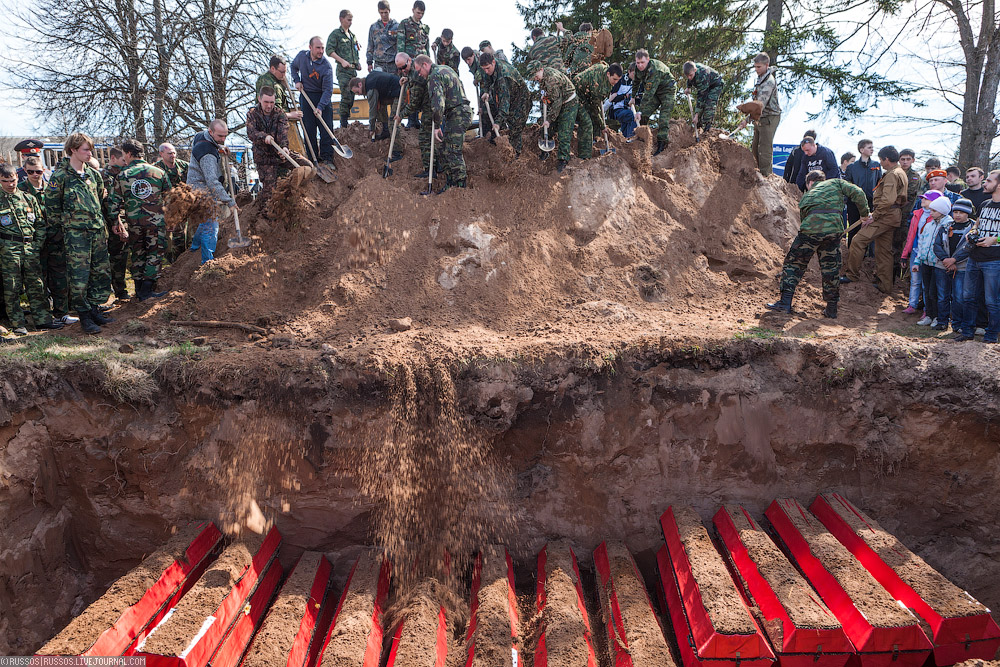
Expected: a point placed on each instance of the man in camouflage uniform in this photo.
(413, 39)
(707, 83)
(471, 58)
(19, 255)
(444, 49)
(562, 111)
(266, 121)
(274, 77)
(343, 47)
(117, 233)
(593, 86)
(508, 95)
(578, 50)
(74, 201)
(546, 50)
(415, 101)
(139, 192)
(820, 233)
(381, 52)
(177, 172)
(451, 114)
(653, 78)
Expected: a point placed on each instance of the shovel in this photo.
(323, 170)
(545, 143)
(387, 170)
(239, 241)
(607, 147)
(339, 149)
(697, 135)
(493, 125)
(430, 170)
(479, 96)
(300, 173)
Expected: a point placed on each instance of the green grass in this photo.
(757, 332)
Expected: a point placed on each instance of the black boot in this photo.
(344, 120)
(544, 156)
(661, 145)
(146, 291)
(562, 165)
(100, 318)
(830, 310)
(448, 183)
(784, 304)
(383, 135)
(87, 324)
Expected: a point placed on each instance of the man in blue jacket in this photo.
(816, 157)
(864, 173)
(313, 77)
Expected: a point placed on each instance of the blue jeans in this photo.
(986, 274)
(914, 282)
(958, 300)
(626, 119)
(312, 127)
(205, 238)
(945, 287)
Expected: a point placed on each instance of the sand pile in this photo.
(614, 248)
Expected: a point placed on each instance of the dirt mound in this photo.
(524, 256)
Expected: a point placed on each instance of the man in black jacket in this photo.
(864, 173)
(381, 89)
(816, 157)
(792, 165)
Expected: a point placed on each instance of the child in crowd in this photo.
(938, 214)
(619, 105)
(920, 218)
(951, 277)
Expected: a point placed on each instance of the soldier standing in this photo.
(343, 47)
(267, 127)
(138, 191)
(274, 77)
(593, 85)
(707, 83)
(117, 232)
(562, 110)
(413, 39)
(444, 49)
(74, 201)
(503, 83)
(415, 101)
(471, 58)
(381, 52)
(452, 115)
(177, 172)
(653, 78)
(19, 213)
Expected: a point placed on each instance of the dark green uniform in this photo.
(447, 55)
(658, 95)
(281, 95)
(821, 212)
(451, 112)
(138, 191)
(74, 201)
(707, 83)
(117, 249)
(415, 101)
(592, 87)
(19, 258)
(413, 37)
(510, 100)
(479, 78)
(578, 53)
(51, 254)
(562, 112)
(345, 44)
(546, 51)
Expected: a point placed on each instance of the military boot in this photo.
(344, 120)
(830, 310)
(661, 145)
(448, 183)
(100, 318)
(562, 165)
(784, 304)
(146, 291)
(87, 324)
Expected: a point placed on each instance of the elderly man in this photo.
(205, 173)
(313, 77)
(415, 102)
(177, 171)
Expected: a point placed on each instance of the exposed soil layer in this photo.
(725, 607)
(84, 630)
(944, 597)
(172, 636)
(561, 620)
(273, 641)
(644, 637)
(871, 599)
(357, 619)
(493, 637)
(803, 605)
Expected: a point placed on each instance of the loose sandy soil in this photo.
(493, 638)
(356, 621)
(563, 624)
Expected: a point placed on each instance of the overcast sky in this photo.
(502, 25)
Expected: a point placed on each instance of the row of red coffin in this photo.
(943, 641)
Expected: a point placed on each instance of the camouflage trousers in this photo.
(424, 138)
(584, 133)
(148, 244)
(827, 250)
(270, 173)
(520, 107)
(346, 95)
(596, 115)
(663, 101)
(706, 109)
(118, 259)
(52, 260)
(22, 273)
(452, 159)
(88, 268)
(563, 125)
(177, 241)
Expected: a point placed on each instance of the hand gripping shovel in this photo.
(239, 241)
(697, 136)
(300, 173)
(493, 124)
(339, 149)
(545, 143)
(387, 170)
(430, 170)
(322, 170)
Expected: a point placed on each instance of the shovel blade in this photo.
(547, 146)
(386, 171)
(343, 151)
(324, 172)
(239, 242)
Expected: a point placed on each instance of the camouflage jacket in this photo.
(656, 74)
(546, 51)
(506, 88)
(592, 84)
(281, 94)
(413, 37)
(558, 88)
(415, 99)
(821, 207)
(382, 42)
(345, 44)
(177, 174)
(259, 126)
(478, 75)
(27, 188)
(110, 175)
(74, 200)
(765, 91)
(447, 96)
(578, 52)
(20, 215)
(447, 55)
(139, 190)
(705, 78)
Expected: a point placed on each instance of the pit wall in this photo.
(596, 451)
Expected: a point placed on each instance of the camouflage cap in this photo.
(534, 66)
(483, 44)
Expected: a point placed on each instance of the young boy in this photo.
(951, 278)
(445, 51)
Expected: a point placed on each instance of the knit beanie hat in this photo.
(962, 205)
(942, 205)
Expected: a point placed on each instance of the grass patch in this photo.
(757, 332)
